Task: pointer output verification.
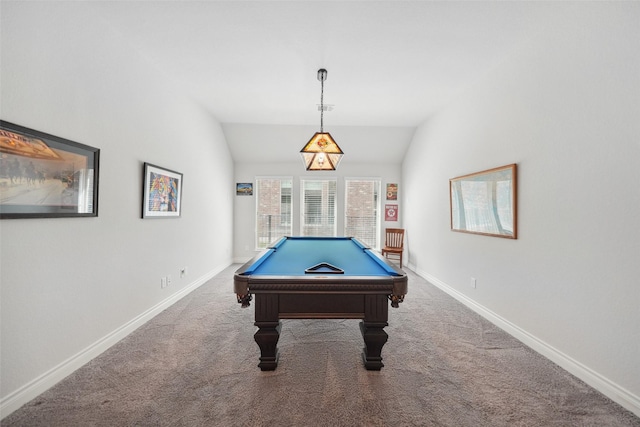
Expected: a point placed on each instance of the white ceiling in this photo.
(391, 64)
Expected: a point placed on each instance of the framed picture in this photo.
(162, 194)
(244, 189)
(392, 191)
(45, 176)
(485, 202)
(390, 212)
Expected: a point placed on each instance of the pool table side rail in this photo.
(361, 284)
(245, 282)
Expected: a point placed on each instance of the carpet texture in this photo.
(195, 364)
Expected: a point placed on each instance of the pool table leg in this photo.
(267, 338)
(374, 339)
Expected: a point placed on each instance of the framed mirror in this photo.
(485, 202)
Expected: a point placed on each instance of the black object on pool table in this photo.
(320, 278)
(324, 268)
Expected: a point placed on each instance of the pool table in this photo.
(320, 278)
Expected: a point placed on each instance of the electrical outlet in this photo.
(168, 280)
(183, 271)
(163, 282)
(473, 282)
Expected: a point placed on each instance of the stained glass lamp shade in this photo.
(321, 153)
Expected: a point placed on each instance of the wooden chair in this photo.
(393, 243)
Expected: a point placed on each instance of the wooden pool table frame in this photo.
(329, 296)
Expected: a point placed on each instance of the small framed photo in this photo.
(162, 192)
(392, 191)
(390, 212)
(45, 176)
(244, 189)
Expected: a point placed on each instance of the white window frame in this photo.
(327, 221)
(370, 237)
(280, 224)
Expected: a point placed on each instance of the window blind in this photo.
(273, 210)
(318, 208)
(361, 211)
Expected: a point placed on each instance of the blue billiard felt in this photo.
(291, 256)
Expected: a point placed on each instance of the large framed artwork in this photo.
(162, 193)
(45, 176)
(485, 202)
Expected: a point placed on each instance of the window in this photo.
(361, 213)
(273, 210)
(318, 208)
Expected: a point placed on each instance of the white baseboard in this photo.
(605, 386)
(50, 378)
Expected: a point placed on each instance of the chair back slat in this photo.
(394, 237)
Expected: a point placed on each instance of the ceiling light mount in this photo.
(322, 75)
(321, 152)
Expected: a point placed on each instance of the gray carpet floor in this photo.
(195, 364)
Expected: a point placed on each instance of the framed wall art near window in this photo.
(162, 193)
(45, 176)
(390, 212)
(485, 202)
(392, 191)
(244, 189)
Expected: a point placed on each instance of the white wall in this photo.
(566, 109)
(72, 287)
(245, 206)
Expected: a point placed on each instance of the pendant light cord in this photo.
(321, 104)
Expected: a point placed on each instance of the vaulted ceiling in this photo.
(391, 64)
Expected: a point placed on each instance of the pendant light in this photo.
(321, 153)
